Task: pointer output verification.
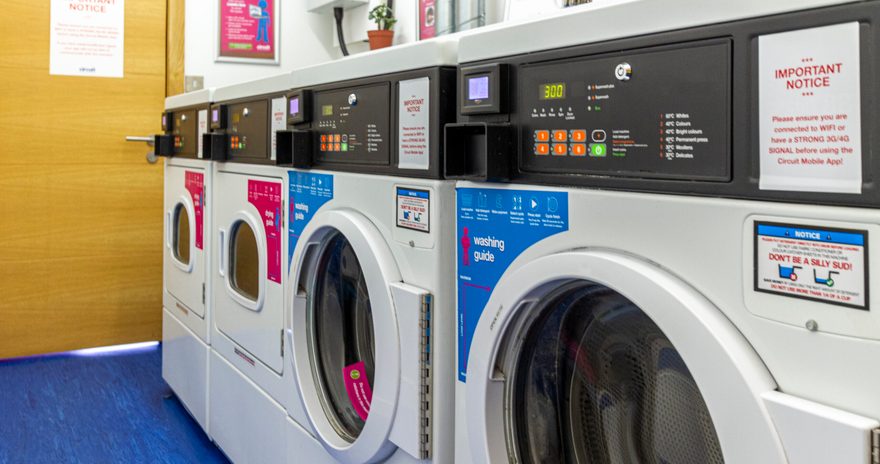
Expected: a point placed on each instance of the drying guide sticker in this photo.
(810, 110)
(194, 182)
(308, 192)
(414, 209)
(821, 264)
(266, 197)
(494, 228)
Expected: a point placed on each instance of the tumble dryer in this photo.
(664, 244)
(186, 257)
(248, 274)
(369, 302)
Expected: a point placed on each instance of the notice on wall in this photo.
(413, 146)
(86, 38)
(427, 19)
(821, 264)
(414, 209)
(810, 110)
(248, 29)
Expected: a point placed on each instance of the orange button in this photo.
(323, 138)
(578, 149)
(560, 136)
(542, 148)
(579, 135)
(542, 136)
(323, 147)
(336, 146)
(336, 138)
(560, 149)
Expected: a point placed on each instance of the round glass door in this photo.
(342, 346)
(596, 381)
(181, 240)
(244, 266)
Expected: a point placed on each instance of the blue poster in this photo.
(308, 193)
(494, 227)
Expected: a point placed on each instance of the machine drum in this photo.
(596, 381)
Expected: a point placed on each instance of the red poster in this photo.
(427, 19)
(266, 197)
(195, 184)
(247, 29)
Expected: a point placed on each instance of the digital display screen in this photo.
(478, 88)
(294, 106)
(555, 91)
(327, 110)
(215, 115)
(164, 120)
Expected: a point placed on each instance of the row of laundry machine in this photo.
(560, 240)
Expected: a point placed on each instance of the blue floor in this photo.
(106, 408)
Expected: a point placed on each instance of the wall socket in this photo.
(193, 83)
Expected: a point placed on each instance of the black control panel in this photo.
(242, 130)
(181, 133)
(353, 123)
(388, 124)
(659, 113)
(676, 112)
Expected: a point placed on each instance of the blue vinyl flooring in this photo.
(104, 408)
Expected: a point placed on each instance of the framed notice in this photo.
(248, 31)
(427, 19)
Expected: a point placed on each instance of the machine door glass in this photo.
(342, 347)
(181, 239)
(596, 381)
(244, 267)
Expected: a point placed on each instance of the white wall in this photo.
(306, 38)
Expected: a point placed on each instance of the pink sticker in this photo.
(195, 185)
(358, 387)
(266, 197)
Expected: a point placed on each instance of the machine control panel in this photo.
(655, 113)
(248, 129)
(184, 132)
(352, 124)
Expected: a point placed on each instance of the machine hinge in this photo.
(426, 394)
(203, 293)
(875, 446)
(282, 343)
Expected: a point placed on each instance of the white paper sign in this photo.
(87, 38)
(203, 129)
(279, 121)
(413, 146)
(810, 110)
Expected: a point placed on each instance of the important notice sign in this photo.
(821, 264)
(413, 124)
(810, 110)
(86, 38)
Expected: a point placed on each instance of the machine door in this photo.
(248, 294)
(184, 253)
(606, 359)
(346, 336)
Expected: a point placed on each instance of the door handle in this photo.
(168, 227)
(151, 156)
(221, 250)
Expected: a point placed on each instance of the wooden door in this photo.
(80, 210)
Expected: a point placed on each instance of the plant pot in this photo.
(380, 39)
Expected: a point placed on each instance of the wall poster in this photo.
(86, 38)
(427, 19)
(248, 31)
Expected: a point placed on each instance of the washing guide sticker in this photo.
(279, 122)
(358, 388)
(266, 197)
(810, 110)
(194, 182)
(414, 209)
(413, 124)
(202, 129)
(813, 263)
(308, 193)
(494, 228)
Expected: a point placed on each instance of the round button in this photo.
(352, 99)
(623, 72)
(245, 112)
(183, 117)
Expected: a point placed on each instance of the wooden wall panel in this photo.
(175, 46)
(80, 209)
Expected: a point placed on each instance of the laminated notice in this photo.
(814, 263)
(810, 110)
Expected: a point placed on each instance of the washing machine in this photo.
(664, 242)
(370, 299)
(246, 419)
(186, 250)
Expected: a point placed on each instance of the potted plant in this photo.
(383, 16)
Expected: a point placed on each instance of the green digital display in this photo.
(327, 110)
(555, 91)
